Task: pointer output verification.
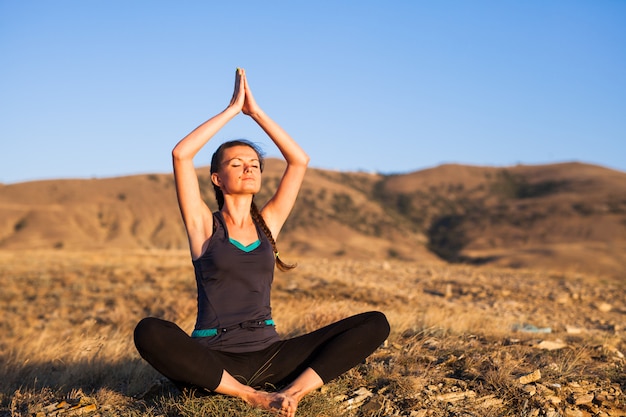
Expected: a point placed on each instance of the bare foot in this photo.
(277, 402)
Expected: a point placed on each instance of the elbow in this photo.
(304, 160)
(301, 160)
(178, 154)
(175, 154)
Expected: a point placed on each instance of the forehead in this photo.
(240, 151)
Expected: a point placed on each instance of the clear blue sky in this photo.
(106, 88)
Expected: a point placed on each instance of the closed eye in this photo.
(237, 162)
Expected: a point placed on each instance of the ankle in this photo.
(295, 392)
(250, 396)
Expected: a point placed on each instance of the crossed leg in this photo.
(303, 363)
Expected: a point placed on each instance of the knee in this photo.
(145, 331)
(380, 325)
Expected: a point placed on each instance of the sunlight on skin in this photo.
(284, 403)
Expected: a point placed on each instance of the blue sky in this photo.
(93, 89)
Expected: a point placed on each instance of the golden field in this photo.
(457, 346)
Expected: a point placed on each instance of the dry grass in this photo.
(67, 321)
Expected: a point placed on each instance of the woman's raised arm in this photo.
(277, 209)
(196, 215)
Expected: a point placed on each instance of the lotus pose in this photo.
(235, 349)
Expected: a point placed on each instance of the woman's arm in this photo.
(196, 214)
(277, 209)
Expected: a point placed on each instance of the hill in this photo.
(569, 216)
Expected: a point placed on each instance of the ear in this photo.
(215, 179)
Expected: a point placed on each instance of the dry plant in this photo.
(456, 347)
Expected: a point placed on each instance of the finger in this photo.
(237, 78)
(244, 80)
(239, 91)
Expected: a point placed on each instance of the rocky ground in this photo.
(465, 341)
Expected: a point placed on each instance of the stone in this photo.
(551, 345)
(583, 398)
(489, 401)
(573, 330)
(532, 377)
(361, 395)
(453, 397)
(79, 411)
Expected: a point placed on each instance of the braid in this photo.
(258, 219)
(219, 197)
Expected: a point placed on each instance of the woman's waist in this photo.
(238, 339)
(202, 331)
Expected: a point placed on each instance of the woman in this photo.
(235, 349)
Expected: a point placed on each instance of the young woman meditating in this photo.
(235, 349)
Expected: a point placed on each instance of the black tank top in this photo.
(234, 288)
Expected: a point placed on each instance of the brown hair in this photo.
(254, 210)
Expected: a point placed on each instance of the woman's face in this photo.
(239, 171)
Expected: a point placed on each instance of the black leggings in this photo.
(329, 351)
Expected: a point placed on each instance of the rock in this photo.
(532, 377)
(530, 328)
(573, 330)
(453, 397)
(79, 411)
(544, 390)
(361, 395)
(489, 401)
(583, 398)
(551, 345)
(65, 409)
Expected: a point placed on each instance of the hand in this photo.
(239, 95)
(250, 107)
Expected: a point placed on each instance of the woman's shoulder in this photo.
(218, 218)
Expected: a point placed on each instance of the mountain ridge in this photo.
(561, 216)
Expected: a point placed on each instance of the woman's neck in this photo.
(236, 211)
